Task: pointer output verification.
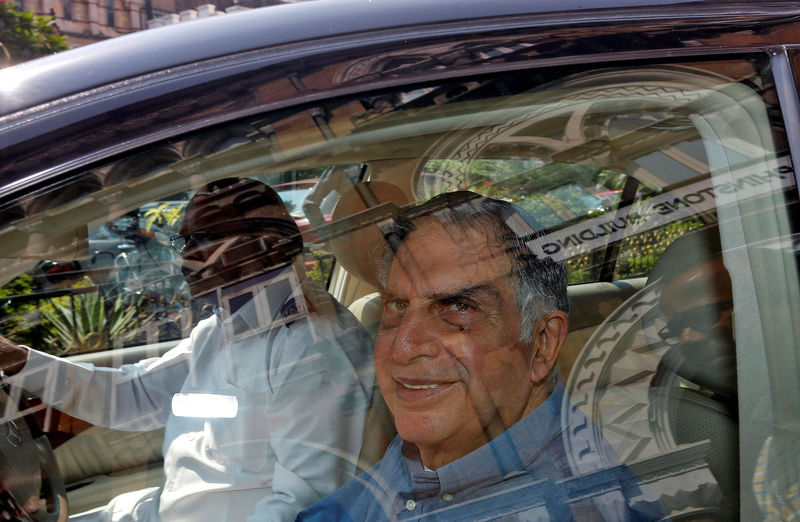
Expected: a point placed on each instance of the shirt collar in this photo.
(511, 452)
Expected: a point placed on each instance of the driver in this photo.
(263, 404)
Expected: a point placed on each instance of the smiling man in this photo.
(465, 358)
(456, 369)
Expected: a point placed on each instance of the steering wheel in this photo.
(31, 487)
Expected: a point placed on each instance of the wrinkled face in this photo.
(448, 358)
(698, 306)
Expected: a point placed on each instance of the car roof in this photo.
(139, 53)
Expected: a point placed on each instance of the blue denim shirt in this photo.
(523, 474)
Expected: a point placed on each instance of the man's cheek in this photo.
(478, 391)
(382, 368)
(384, 384)
(383, 344)
(470, 367)
(465, 347)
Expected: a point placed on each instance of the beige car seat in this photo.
(357, 244)
(695, 413)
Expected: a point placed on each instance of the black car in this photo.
(686, 111)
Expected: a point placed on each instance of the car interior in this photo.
(616, 164)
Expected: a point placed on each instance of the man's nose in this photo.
(416, 337)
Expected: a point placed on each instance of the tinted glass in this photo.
(666, 189)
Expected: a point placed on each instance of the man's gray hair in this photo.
(540, 283)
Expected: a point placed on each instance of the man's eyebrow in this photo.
(469, 292)
(386, 294)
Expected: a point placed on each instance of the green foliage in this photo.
(84, 322)
(552, 175)
(24, 36)
(638, 254)
(582, 269)
(475, 172)
(19, 320)
(12, 314)
(88, 321)
(522, 177)
(557, 193)
(611, 179)
(51, 325)
(321, 270)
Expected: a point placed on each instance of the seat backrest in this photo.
(698, 408)
(368, 310)
(379, 429)
(590, 304)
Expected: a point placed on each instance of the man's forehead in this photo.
(478, 234)
(437, 258)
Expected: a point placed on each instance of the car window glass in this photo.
(630, 170)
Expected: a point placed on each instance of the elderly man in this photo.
(263, 404)
(465, 358)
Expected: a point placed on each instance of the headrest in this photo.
(355, 239)
(690, 250)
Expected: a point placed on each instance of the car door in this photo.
(691, 127)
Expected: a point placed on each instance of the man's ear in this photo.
(548, 337)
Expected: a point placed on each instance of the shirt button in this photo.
(411, 504)
(447, 497)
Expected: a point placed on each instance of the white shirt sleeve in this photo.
(134, 397)
(321, 387)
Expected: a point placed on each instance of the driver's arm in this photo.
(134, 397)
(12, 357)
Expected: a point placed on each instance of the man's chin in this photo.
(422, 437)
(427, 426)
(444, 440)
(418, 427)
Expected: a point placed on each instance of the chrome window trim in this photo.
(786, 87)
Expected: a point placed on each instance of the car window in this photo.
(626, 172)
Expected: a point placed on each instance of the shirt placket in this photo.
(422, 499)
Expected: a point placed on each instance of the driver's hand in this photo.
(12, 356)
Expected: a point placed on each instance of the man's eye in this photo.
(459, 313)
(459, 306)
(396, 306)
(392, 314)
